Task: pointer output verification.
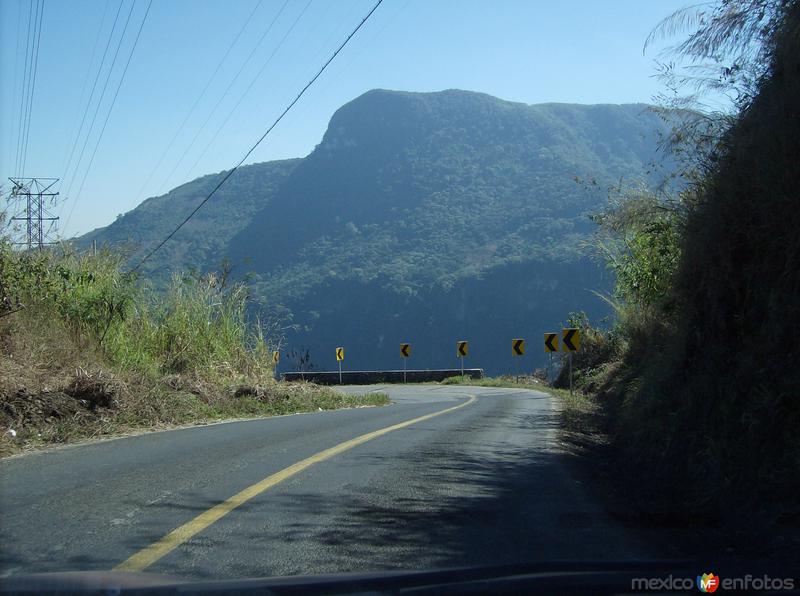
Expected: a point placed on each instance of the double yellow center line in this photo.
(150, 554)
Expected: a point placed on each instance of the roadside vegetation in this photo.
(87, 350)
(695, 387)
(501, 381)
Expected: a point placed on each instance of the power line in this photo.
(356, 53)
(76, 132)
(264, 136)
(195, 104)
(38, 37)
(223, 96)
(91, 94)
(24, 98)
(250, 86)
(110, 109)
(17, 55)
(29, 87)
(334, 32)
(100, 100)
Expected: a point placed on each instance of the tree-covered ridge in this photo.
(201, 244)
(417, 217)
(429, 188)
(425, 187)
(695, 387)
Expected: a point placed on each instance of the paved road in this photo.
(483, 483)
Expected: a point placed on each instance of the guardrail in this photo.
(370, 377)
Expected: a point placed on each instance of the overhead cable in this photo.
(263, 136)
(223, 96)
(110, 109)
(194, 105)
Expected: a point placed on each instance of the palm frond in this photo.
(680, 20)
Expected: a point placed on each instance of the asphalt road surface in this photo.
(481, 481)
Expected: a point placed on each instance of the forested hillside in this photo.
(696, 385)
(726, 370)
(421, 217)
(200, 243)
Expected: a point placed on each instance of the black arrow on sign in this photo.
(549, 342)
(404, 350)
(462, 348)
(518, 346)
(568, 340)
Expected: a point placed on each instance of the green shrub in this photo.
(198, 325)
(707, 301)
(640, 240)
(598, 348)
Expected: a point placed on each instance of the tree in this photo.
(639, 238)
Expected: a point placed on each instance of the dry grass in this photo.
(52, 390)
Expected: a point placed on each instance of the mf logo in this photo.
(708, 582)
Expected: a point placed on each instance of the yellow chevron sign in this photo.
(339, 354)
(517, 347)
(551, 342)
(405, 350)
(462, 349)
(276, 356)
(571, 340)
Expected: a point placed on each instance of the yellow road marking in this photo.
(150, 554)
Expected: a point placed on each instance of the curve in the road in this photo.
(152, 553)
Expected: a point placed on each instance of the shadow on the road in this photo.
(447, 504)
(457, 508)
(489, 487)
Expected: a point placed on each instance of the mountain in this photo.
(420, 217)
(199, 244)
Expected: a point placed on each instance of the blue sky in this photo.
(530, 51)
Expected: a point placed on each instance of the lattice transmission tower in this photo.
(32, 223)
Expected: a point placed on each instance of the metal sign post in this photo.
(571, 342)
(570, 374)
(276, 358)
(550, 346)
(339, 358)
(517, 349)
(462, 350)
(405, 354)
